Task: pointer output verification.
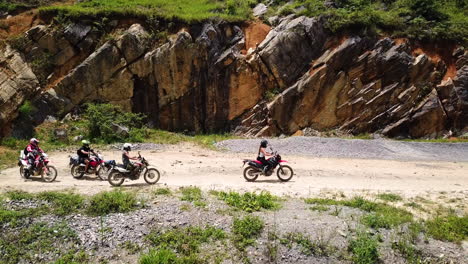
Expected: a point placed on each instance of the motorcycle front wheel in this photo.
(50, 175)
(116, 178)
(251, 173)
(103, 173)
(285, 173)
(77, 171)
(152, 176)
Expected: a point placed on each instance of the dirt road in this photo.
(186, 165)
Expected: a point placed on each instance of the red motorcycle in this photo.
(255, 169)
(43, 169)
(96, 166)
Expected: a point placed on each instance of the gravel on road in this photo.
(355, 148)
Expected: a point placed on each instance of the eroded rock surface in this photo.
(211, 77)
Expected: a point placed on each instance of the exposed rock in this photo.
(260, 10)
(17, 83)
(120, 130)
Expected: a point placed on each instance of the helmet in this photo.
(85, 142)
(34, 141)
(127, 146)
(264, 143)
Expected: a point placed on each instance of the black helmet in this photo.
(264, 143)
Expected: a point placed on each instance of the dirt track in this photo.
(185, 165)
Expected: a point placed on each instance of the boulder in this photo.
(120, 130)
(260, 10)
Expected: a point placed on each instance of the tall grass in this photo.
(183, 10)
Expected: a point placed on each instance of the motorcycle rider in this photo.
(84, 153)
(262, 154)
(128, 165)
(33, 153)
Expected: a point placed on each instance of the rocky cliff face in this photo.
(224, 77)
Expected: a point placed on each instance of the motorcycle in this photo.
(255, 169)
(43, 169)
(118, 173)
(96, 166)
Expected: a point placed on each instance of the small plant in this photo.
(309, 247)
(131, 247)
(162, 256)
(449, 228)
(73, 257)
(250, 202)
(191, 194)
(246, 230)
(365, 249)
(112, 202)
(408, 250)
(162, 191)
(389, 197)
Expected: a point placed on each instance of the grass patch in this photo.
(63, 203)
(448, 228)
(364, 249)
(380, 215)
(181, 10)
(194, 195)
(319, 208)
(19, 195)
(250, 202)
(389, 197)
(166, 137)
(309, 247)
(37, 239)
(73, 258)
(114, 201)
(246, 230)
(131, 247)
(162, 191)
(181, 245)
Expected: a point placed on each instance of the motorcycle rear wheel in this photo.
(77, 171)
(152, 176)
(251, 173)
(23, 174)
(50, 175)
(116, 178)
(285, 174)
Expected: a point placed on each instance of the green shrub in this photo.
(99, 119)
(73, 258)
(449, 228)
(115, 201)
(246, 230)
(27, 108)
(63, 203)
(250, 202)
(162, 256)
(365, 249)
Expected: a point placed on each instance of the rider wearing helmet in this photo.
(84, 153)
(33, 152)
(262, 154)
(127, 147)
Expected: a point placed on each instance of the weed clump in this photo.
(246, 230)
(112, 202)
(162, 191)
(250, 202)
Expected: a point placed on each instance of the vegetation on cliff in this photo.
(415, 19)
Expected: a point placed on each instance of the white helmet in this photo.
(34, 141)
(127, 146)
